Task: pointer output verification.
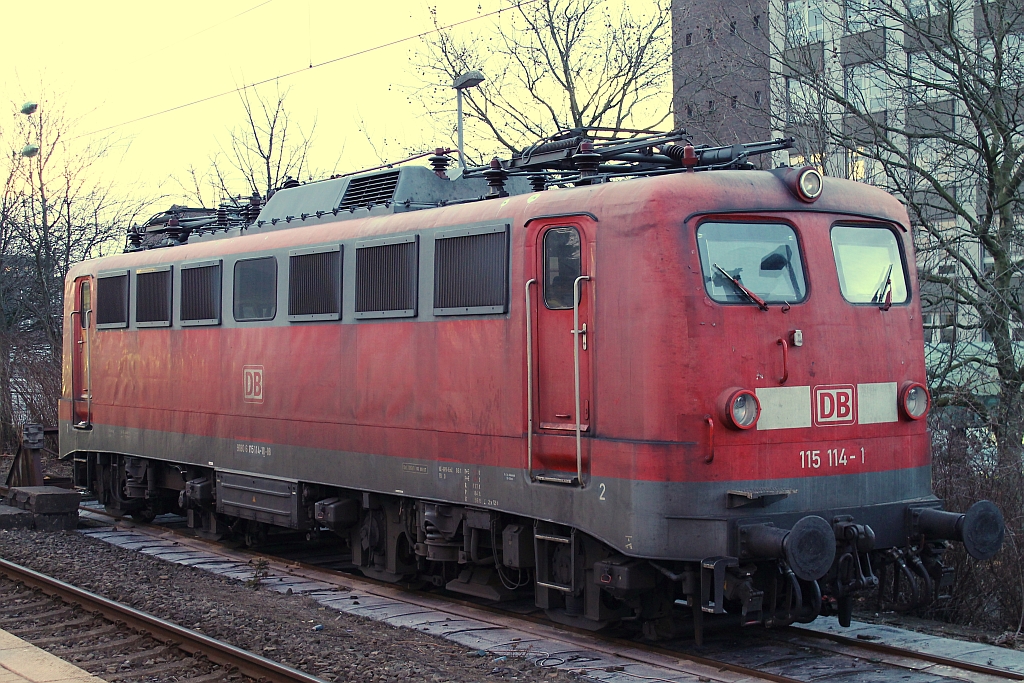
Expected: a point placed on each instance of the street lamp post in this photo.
(470, 79)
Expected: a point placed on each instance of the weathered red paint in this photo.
(660, 352)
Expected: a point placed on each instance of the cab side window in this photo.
(255, 291)
(561, 266)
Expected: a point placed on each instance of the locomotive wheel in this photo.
(145, 515)
(255, 534)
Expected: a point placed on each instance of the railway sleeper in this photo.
(777, 577)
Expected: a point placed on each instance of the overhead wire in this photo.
(288, 74)
(200, 32)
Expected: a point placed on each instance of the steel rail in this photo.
(895, 651)
(617, 646)
(642, 653)
(190, 641)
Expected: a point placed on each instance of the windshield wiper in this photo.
(753, 298)
(883, 295)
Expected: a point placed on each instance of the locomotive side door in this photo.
(81, 320)
(561, 317)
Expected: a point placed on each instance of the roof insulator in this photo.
(439, 163)
(586, 160)
(496, 176)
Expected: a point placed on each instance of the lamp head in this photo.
(470, 79)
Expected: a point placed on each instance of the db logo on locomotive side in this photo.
(835, 404)
(252, 381)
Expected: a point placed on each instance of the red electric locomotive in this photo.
(628, 375)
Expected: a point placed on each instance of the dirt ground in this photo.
(346, 648)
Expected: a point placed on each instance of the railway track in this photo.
(117, 642)
(793, 655)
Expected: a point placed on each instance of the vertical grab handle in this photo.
(785, 359)
(529, 381)
(710, 457)
(577, 333)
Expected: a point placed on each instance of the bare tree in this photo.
(922, 97)
(552, 65)
(268, 148)
(55, 210)
(264, 151)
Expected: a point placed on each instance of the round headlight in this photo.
(743, 409)
(810, 184)
(915, 401)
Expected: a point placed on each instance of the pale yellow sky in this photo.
(113, 61)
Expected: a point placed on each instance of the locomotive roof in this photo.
(616, 205)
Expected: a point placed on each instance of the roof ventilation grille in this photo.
(372, 189)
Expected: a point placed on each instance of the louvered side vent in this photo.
(471, 272)
(153, 297)
(374, 189)
(200, 294)
(386, 275)
(112, 301)
(314, 285)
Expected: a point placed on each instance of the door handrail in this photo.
(529, 381)
(87, 342)
(576, 334)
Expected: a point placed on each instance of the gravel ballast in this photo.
(280, 627)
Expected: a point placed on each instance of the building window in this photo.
(689, 111)
(689, 39)
(735, 101)
(865, 87)
(255, 292)
(757, 97)
(863, 15)
(805, 22)
(947, 332)
(757, 21)
(711, 35)
(732, 28)
(798, 102)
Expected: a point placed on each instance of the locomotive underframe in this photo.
(576, 577)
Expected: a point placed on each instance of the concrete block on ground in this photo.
(44, 500)
(15, 518)
(65, 522)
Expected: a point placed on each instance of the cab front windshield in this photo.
(763, 258)
(869, 265)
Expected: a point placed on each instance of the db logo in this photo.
(252, 380)
(834, 405)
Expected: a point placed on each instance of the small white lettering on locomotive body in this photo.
(254, 449)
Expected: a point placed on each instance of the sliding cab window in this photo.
(255, 291)
(869, 264)
(743, 259)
